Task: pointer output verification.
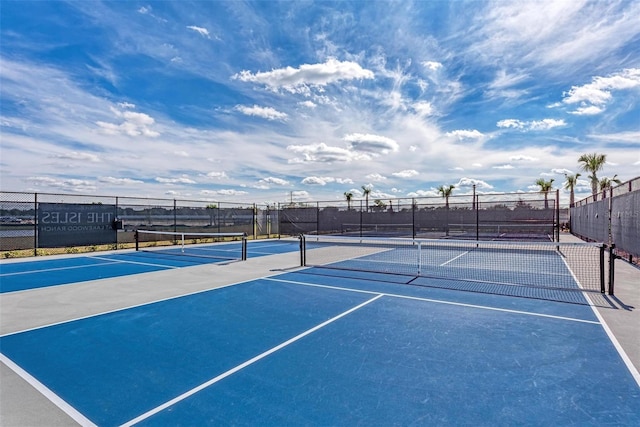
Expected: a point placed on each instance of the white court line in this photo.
(460, 304)
(46, 391)
(245, 364)
(46, 270)
(623, 354)
(454, 258)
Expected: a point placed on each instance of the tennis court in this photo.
(328, 344)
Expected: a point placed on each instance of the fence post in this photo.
(556, 231)
(35, 224)
(175, 216)
(477, 215)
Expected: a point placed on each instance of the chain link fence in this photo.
(611, 217)
(46, 223)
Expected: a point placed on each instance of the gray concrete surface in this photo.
(21, 405)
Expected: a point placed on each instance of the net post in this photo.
(612, 261)
(137, 239)
(244, 247)
(602, 288)
(302, 250)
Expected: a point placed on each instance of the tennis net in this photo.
(547, 265)
(222, 246)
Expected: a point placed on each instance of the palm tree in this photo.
(570, 183)
(446, 191)
(348, 195)
(606, 183)
(593, 163)
(366, 190)
(545, 187)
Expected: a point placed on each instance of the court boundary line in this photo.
(454, 258)
(60, 403)
(245, 364)
(437, 301)
(46, 270)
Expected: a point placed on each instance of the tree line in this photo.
(592, 163)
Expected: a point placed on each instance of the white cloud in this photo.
(200, 30)
(503, 167)
(523, 158)
(134, 124)
(181, 153)
(217, 175)
(598, 92)
(593, 97)
(230, 192)
(179, 180)
(371, 143)
(423, 108)
(322, 153)
(263, 112)
(432, 65)
(308, 104)
(469, 182)
(407, 173)
(544, 124)
(119, 181)
(75, 185)
(376, 177)
(74, 155)
(591, 110)
(300, 80)
(273, 180)
(465, 134)
(317, 180)
(562, 171)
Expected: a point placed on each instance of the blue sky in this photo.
(273, 101)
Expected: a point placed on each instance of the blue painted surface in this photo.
(419, 355)
(395, 361)
(116, 366)
(39, 273)
(402, 362)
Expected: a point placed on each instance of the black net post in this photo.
(602, 290)
(612, 262)
(136, 237)
(244, 247)
(302, 250)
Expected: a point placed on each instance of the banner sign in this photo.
(64, 224)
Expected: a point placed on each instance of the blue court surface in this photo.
(41, 273)
(307, 348)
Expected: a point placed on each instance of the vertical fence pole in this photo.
(35, 224)
(175, 216)
(556, 231)
(413, 216)
(477, 196)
